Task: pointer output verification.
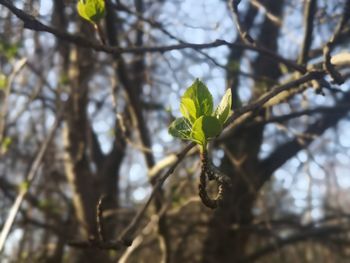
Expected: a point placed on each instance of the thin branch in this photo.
(30, 22)
(29, 180)
(255, 106)
(309, 15)
(285, 151)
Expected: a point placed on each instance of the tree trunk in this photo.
(85, 185)
(228, 234)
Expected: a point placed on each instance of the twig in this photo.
(120, 122)
(4, 109)
(154, 221)
(208, 173)
(313, 75)
(99, 219)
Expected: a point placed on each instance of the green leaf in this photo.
(201, 101)
(188, 109)
(222, 112)
(180, 128)
(91, 10)
(205, 128)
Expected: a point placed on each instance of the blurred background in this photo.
(76, 124)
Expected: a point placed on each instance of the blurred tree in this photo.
(88, 172)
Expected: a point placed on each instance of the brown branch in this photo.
(313, 75)
(94, 243)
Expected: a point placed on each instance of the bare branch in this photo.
(126, 237)
(309, 16)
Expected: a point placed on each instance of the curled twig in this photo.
(208, 173)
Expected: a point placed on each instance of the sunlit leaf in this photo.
(222, 112)
(201, 101)
(205, 128)
(188, 109)
(91, 10)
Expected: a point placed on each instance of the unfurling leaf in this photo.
(91, 10)
(188, 109)
(196, 102)
(222, 112)
(180, 128)
(205, 128)
(199, 123)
